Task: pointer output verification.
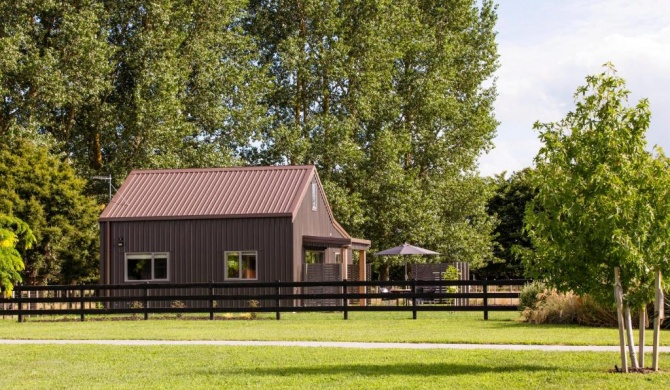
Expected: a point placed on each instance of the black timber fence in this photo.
(262, 297)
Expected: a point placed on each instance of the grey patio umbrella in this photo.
(405, 249)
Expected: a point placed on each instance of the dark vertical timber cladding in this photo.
(103, 250)
(433, 271)
(196, 247)
(311, 223)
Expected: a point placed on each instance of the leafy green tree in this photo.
(186, 88)
(43, 191)
(508, 205)
(602, 200)
(128, 84)
(387, 99)
(13, 233)
(54, 70)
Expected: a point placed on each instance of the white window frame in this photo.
(144, 255)
(240, 253)
(315, 199)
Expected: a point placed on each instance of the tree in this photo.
(602, 199)
(121, 85)
(186, 85)
(508, 205)
(13, 233)
(43, 191)
(54, 71)
(386, 98)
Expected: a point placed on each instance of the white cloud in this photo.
(548, 48)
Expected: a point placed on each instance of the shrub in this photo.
(594, 313)
(554, 308)
(136, 305)
(253, 304)
(529, 295)
(178, 305)
(451, 273)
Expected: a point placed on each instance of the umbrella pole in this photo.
(405, 270)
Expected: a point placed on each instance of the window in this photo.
(241, 265)
(314, 198)
(146, 266)
(338, 258)
(314, 257)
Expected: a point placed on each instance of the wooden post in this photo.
(486, 300)
(81, 303)
(17, 292)
(362, 276)
(345, 262)
(659, 315)
(642, 325)
(211, 300)
(413, 299)
(277, 301)
(345, 301)
(618, 296)
(146, 301)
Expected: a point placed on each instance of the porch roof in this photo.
(335, 242)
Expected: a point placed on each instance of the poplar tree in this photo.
(388, 100)
(130, 84)
(186, 85)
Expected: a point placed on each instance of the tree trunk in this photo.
(642, 325)
(659, 315)
(618, 296)
(629, 335)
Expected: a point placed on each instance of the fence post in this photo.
(146, 301)
(414, 299)
(17, 291)
(81, 302)
(211, 300)
(346, 299)
(277, 301)
(485, 290)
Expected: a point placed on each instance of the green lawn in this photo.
(205, 367)
(502, 328)
(209, 367)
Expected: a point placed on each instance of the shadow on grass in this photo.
(375, 370)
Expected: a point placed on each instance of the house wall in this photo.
(312, 223)
(197, 247)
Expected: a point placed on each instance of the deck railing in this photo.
(263, 297)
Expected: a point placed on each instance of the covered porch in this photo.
(336, 266)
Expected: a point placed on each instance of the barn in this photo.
(223, 225)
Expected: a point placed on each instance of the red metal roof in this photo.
(210, 193)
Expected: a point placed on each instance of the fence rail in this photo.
(263, 297)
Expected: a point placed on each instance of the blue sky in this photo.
(548, 47)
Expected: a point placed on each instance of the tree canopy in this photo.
(42, 190)
(128, 84)
(387, 99)
(602, 199)
(14, 234)
(508, 205)
(391, 100)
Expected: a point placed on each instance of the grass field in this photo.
(205, 367)
(502, 328)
